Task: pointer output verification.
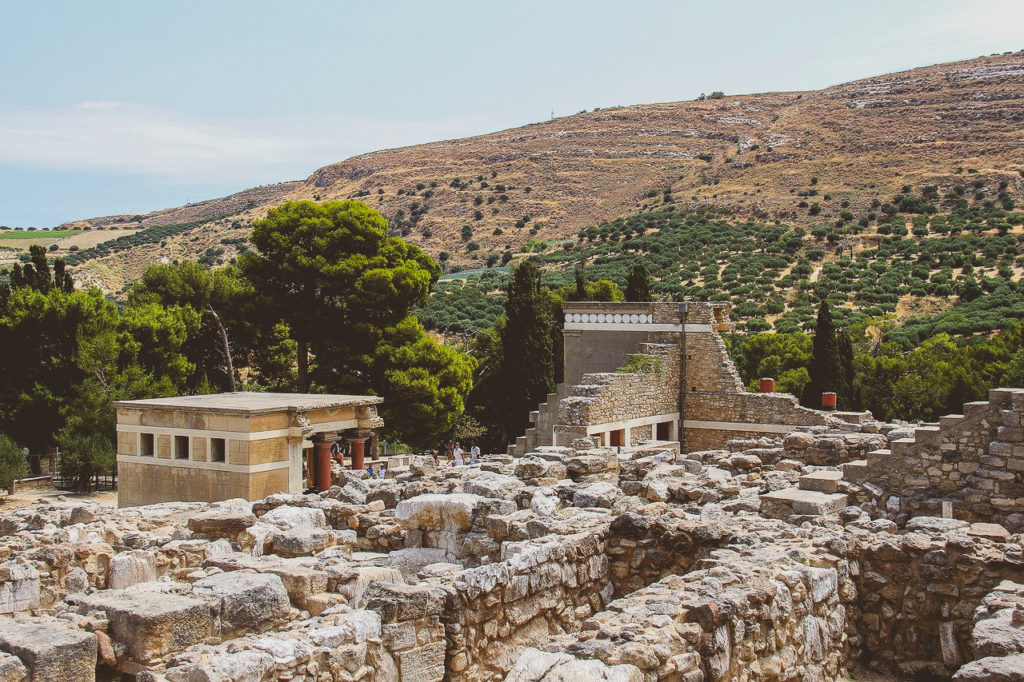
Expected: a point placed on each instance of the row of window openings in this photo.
(181, 447)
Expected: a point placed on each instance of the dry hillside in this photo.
(751, 153)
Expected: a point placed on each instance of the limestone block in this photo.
(438, 512)
(131, 568)
(422, 664)
(489, 484)
(301, 541)
(422, 466)
(149, 619)
(534, 665)
(396, 602)
(992, 669)
(245, 601)
(49, 650)
(239, 666)
(599, 494)
(19, 587)
(12, 669)
(287, 517)
(219, 523)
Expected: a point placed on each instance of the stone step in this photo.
(825, 481)
(929, 436)
(950, 421)
(533, 416)
(857, 470)
(903, 447)
(880, 459)
(976, 409)
(781, 504)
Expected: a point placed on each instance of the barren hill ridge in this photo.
(750, 153)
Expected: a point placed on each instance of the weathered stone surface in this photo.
(992, 669)
(438, 512)
(600, 494)
(49, 650)
(19, 587)
(150, 620)
(300, 541)
(221, 523)
(288, 517)
(12, 669)
(131, 568)
(494, 485)
(244, 601)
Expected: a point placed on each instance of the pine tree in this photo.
(825, 369)
(527, 372)
(638, 284)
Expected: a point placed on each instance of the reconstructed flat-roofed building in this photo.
(250, 445)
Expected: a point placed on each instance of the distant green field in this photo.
(39, 234)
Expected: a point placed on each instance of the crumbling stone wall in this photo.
(750, 611)
(974, 462)
(917, 591)
(548, 585)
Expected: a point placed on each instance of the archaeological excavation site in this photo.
(657, 522)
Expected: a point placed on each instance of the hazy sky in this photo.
(126, 107)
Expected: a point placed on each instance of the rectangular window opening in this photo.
(181, 447)
(146, 447)
(217, 449)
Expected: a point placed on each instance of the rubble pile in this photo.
(776, 558)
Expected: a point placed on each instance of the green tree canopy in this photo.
(331, 269)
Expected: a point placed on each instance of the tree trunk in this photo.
(303, 364)
(227, 347)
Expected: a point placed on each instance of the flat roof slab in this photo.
(247, 402)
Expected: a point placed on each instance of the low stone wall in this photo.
(547, 585)
(918, 590)
(750, 611)
(713, 418)
(643, 550)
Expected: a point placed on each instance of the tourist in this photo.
(458, 452)
(369, 470)
(474, 453)
(382, 471)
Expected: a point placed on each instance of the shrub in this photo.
(12, 462)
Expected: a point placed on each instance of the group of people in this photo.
(456, 456)
(381, 472)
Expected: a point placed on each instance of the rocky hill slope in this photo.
(801, 157)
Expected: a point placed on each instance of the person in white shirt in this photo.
(474, 453)
(458, 452)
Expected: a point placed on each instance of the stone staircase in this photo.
(543, 419)
(816, 495)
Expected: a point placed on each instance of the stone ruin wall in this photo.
(715, 394)
(566, 563)
(617, 397)
(974, 462)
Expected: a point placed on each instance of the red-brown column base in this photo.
(322, 457)
(358, 451)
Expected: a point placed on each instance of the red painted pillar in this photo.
(358, 444)
(828, 400)
(322, 461)
(767, 385)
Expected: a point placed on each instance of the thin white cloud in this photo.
(127, 138)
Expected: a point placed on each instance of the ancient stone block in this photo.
(49, 650)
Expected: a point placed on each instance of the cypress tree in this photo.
(825, 370)
(638, 284)
(526, 344)
(847, 399)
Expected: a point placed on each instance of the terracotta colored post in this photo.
(828, 401)
(358, 444)
(767, 385)
(322, 458)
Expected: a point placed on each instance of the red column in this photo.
(358, 444)
(322, 461)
